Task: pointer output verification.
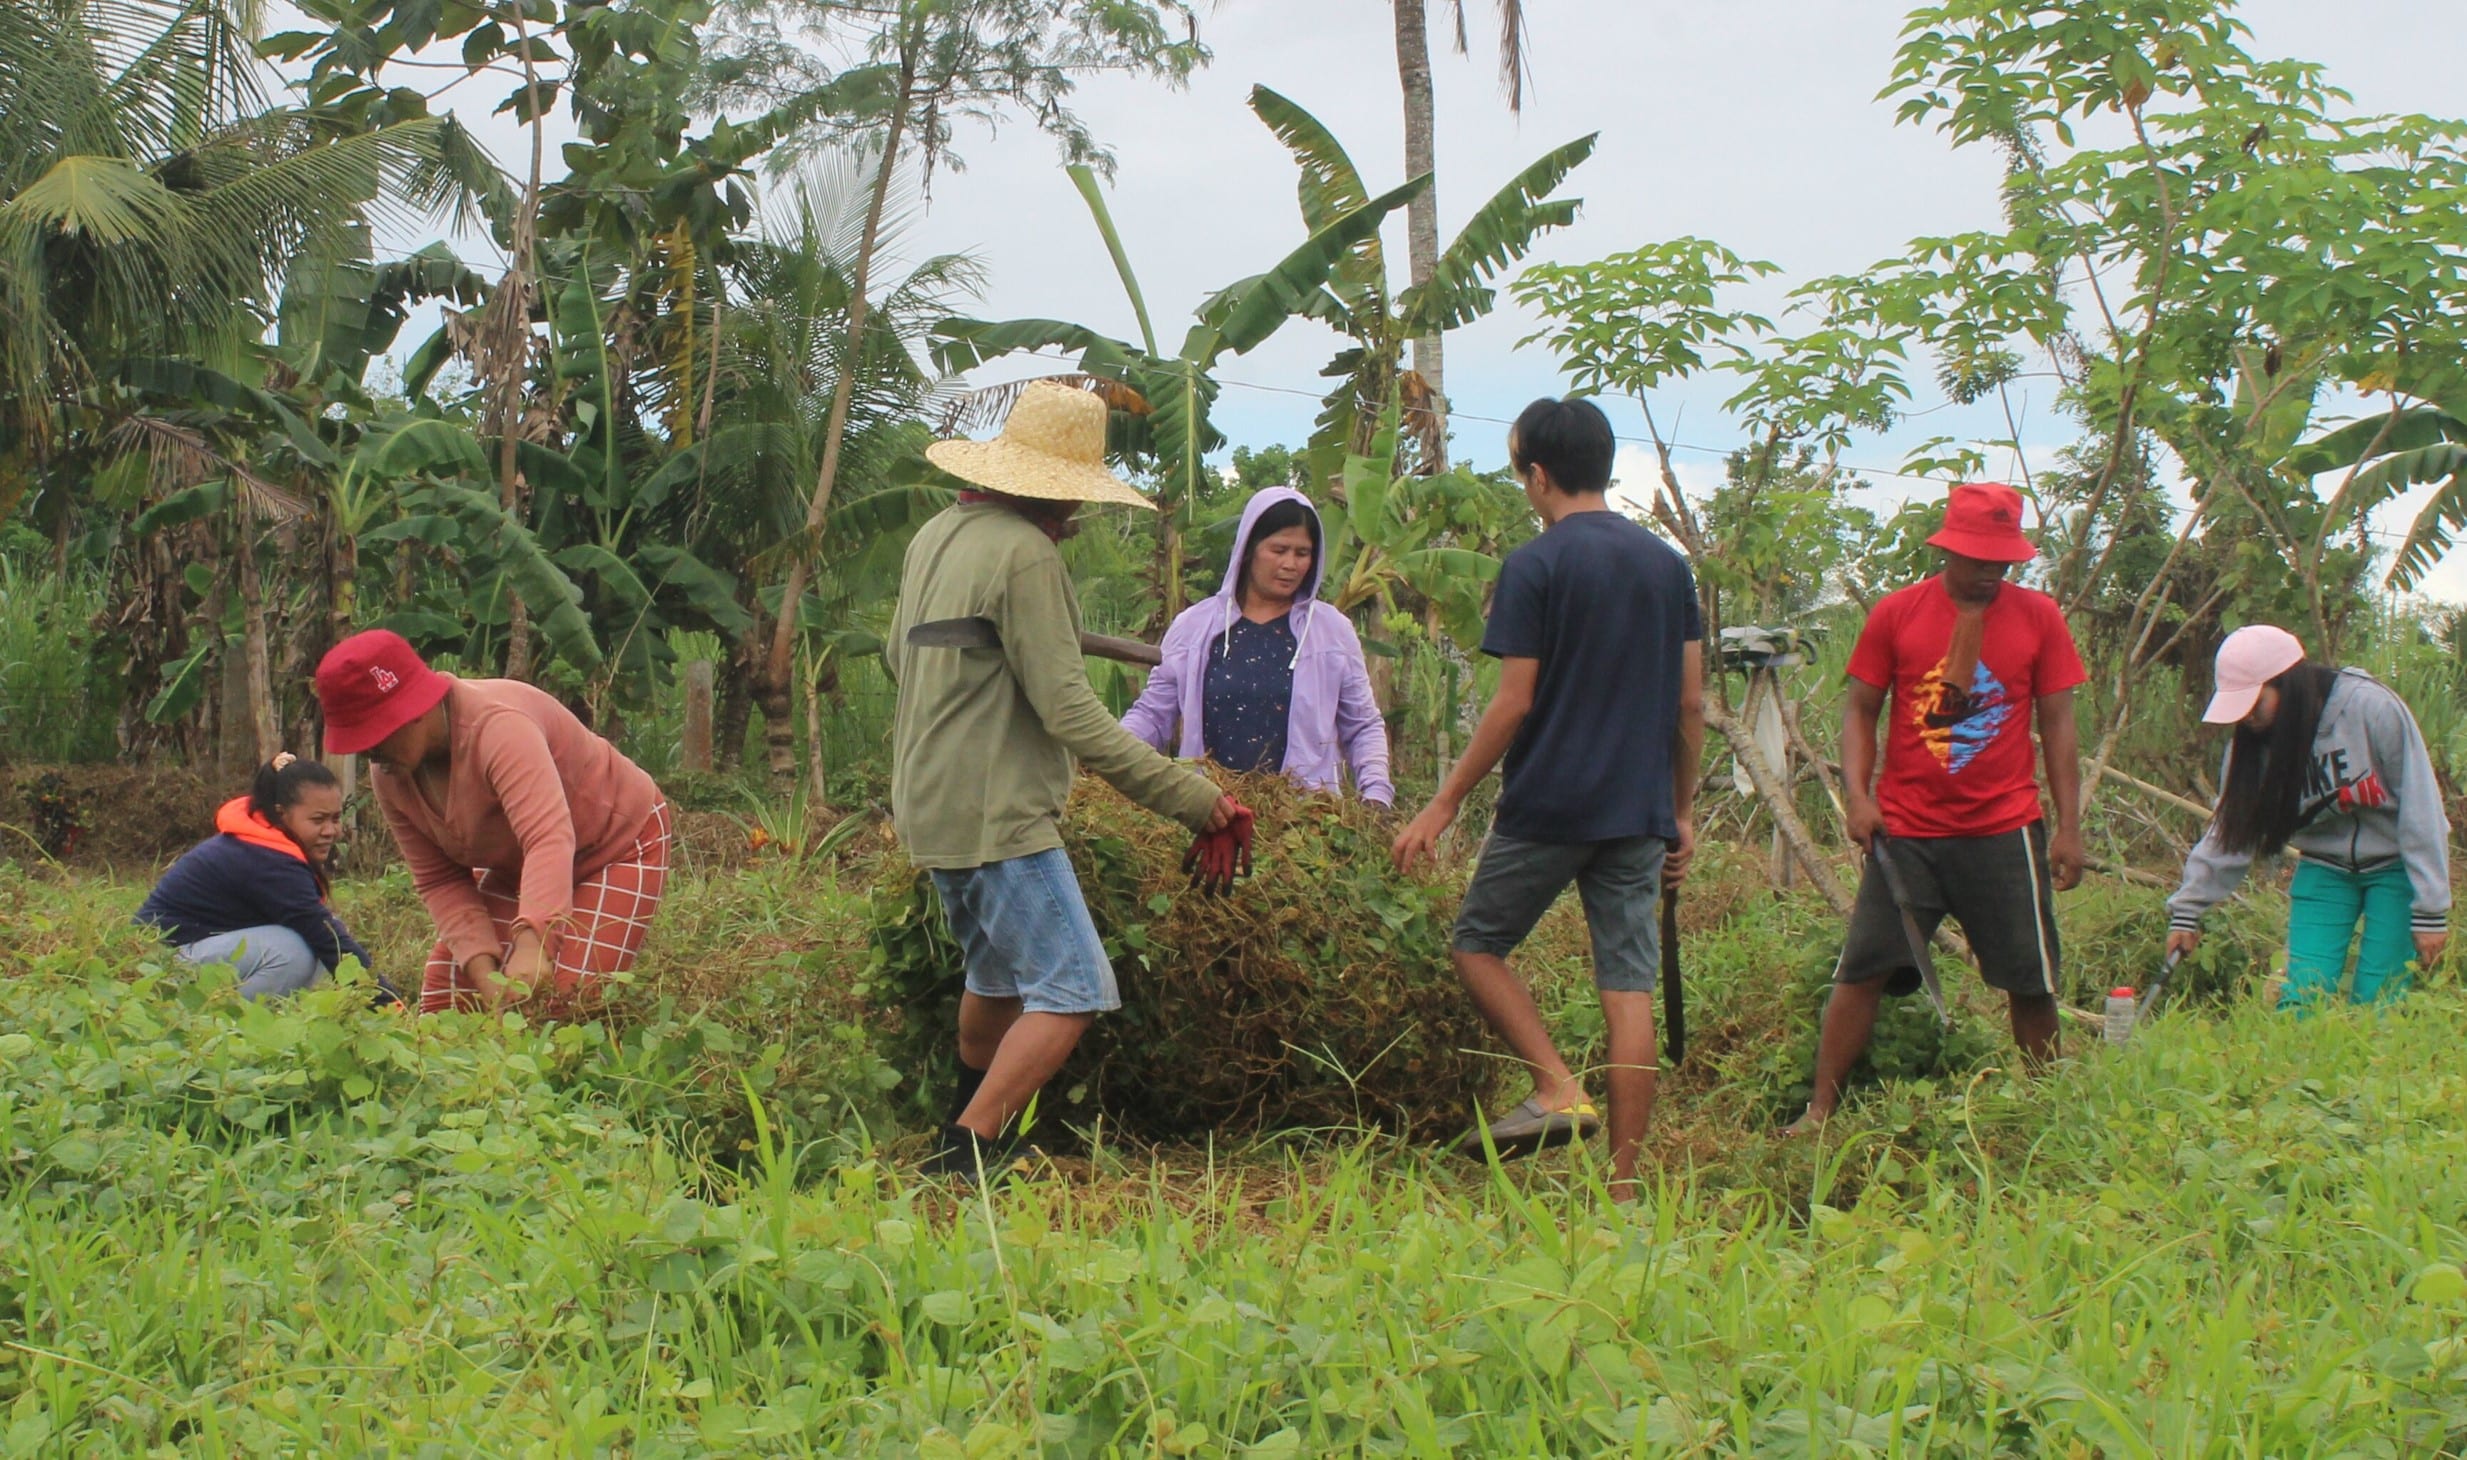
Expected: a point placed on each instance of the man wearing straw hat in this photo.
(982, 755)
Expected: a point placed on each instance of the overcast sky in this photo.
(1753, 124)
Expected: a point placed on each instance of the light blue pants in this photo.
(270, 961)
(2324, 905)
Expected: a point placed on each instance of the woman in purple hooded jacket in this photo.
(1260, 675)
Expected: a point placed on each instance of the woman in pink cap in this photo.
(2329, 762)
(540, 850)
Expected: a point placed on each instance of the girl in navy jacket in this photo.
(254, 894)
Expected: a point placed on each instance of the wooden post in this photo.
(346, 769)
(1761, 709)
(1773, 747)
(697, 751)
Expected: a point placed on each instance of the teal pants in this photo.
(2325, 904)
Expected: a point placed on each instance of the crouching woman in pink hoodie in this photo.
(1261, 675)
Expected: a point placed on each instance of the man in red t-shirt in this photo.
(1967, 658)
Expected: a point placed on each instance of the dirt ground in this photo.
(128, 819)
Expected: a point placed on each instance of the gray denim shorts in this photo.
(1620, 883)
(1026, 934)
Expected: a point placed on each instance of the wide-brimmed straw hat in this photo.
(1052, 449)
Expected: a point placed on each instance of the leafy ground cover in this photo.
(317, 1229)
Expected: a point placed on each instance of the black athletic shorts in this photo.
(1996, 887)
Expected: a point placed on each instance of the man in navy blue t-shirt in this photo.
(1600, 718)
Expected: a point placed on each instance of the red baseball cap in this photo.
(1983, 520)
(371, 685)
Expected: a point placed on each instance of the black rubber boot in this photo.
(971, 1079)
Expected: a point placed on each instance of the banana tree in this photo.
(1420, 534)
(1163, 425)
(1357, 301)
(2384, 455)
(599, 560)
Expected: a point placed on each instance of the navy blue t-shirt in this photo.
(1247, 701)
(1608, 608)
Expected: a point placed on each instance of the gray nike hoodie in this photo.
(2371, 799)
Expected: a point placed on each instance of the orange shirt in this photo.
(532, 795)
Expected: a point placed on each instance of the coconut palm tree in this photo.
(1413, 72)
(152, 198)
(792, 336)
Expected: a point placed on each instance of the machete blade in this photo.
(1674, 1003)
(1910, 930)
(955, 633)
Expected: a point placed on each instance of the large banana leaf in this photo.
(1500, 232)
(1244, 317)
(554, 601)
(609, 571)
(429, 357)
(1331, 186)
(2414, 429)
(203, 500)
(581, 337)
(428, 446)
(553, 472)
(1083, 177)
(338, 314)
(963, 344)
(2438, 522)
(712, 592)
(184, 683)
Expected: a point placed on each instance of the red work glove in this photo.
(1216, 858)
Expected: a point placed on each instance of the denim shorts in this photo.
(1619, 881)
(1026, 934)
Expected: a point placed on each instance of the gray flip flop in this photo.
(1529, 1128)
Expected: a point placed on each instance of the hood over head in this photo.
(1230, 590)
(235, 819)
(1252, 511)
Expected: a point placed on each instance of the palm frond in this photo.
(987, 407)
(180, 457)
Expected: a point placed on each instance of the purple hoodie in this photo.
(1333, 709)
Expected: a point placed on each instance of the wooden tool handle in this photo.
(1124, 651)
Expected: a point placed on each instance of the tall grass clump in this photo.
(55, 703)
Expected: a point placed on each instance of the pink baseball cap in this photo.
(2249, 658)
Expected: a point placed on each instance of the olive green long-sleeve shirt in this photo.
(983, 745)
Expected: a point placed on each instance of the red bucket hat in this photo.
(371, 685)
(1983, 520)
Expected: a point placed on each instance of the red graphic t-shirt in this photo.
(1961, 762)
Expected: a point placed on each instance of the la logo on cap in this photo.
(384, 677)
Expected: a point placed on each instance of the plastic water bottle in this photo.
(2121, 1008)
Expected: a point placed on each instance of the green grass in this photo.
(319, 1230)
(50, 708)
